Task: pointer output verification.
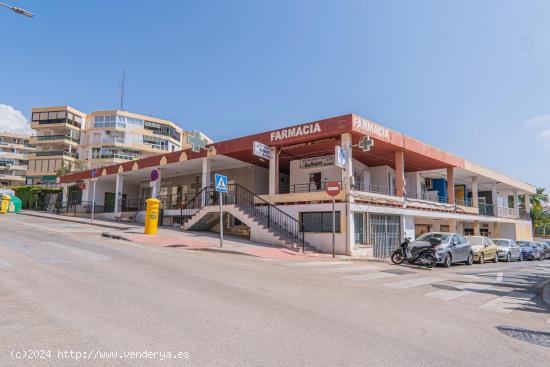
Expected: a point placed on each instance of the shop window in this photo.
(319, 221)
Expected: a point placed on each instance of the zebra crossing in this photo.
(443, 286)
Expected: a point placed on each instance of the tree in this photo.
(539, 217)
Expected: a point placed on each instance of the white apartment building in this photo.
(14, 158)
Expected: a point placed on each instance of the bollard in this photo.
(151, 216)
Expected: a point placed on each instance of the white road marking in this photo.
(508, 303)
(351, 269)
(499, 278)
(316, 263)
(370, 276)
(4, 264)
(80, 252)
(414, 282)
(464, 289)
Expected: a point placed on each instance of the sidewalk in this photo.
(99, 222)
(209, 241)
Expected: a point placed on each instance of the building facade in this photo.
(117, 136)
(14, 158)
(58, 132)
(70, 139)
(393, 186)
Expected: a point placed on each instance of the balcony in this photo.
(60, 139)
(55, 122)
(55, 154)
(11, 177)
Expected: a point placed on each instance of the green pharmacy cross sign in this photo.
(366, 143)
(196, 141)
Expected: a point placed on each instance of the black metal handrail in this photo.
(286, 226)
(75, 207)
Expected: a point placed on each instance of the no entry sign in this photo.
(333, 188)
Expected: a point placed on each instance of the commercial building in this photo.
(66, 137)
(393, 186)
(58, 131)
(14, 158)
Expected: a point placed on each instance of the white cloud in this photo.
(543, 120)
(12, 120)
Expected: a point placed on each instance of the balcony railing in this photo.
(58, 121)
(301, 188)
(56, 137)
(384, 190)
(56, 153)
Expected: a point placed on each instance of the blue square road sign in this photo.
(220, 183)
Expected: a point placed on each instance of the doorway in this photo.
(384, 234)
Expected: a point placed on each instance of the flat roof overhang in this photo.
(306, 140)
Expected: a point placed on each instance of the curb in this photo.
(371, 260)
(67, 219)
(218, 250)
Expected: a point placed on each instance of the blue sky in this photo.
(471, 77)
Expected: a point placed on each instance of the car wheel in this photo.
(481, 258)
(508, 258)
(470, 260)
(495, 260)
(520, 257)
(448, 261)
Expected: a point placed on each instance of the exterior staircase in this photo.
(268, 224)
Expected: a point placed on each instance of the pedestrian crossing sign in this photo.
(220, 183)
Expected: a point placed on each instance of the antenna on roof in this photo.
(121, 91)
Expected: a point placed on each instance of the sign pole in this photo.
(221, 218)
(333, 226)
(93, 200)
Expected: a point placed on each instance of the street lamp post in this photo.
(18, 10)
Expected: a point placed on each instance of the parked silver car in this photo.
(508, 250)
(451, 247)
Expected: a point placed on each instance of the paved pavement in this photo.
(65, 288)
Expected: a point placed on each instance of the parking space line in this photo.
(316, 263)
(414, 282)
(462, 290)
(80, 252)
(351, 269)
(370, 276)
(508, 303)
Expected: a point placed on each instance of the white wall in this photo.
(413, 182)
(379, 175)
(301, 175)
(322, 241)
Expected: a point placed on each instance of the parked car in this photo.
(484, 249)
(452, 248)
(508, 250)
(542, 250)
(546, 245)
(528, 251)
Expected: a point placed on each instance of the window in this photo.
(319, 221)
(35, 116)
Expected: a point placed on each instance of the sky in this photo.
(470, 77)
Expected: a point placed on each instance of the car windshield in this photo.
(475, 241)
(524, 244)
(504, 243)
(443, 237)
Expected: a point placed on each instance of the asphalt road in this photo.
(63, 289)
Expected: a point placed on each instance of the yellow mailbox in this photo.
(5, 204)
(152, 216)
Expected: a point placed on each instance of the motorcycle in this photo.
(418, 255)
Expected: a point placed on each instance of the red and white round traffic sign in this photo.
(332, 188)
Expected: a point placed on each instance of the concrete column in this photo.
(527, 203)
(65, 193)
(494, 198)
(497, 230)
(516, 204)
(452, 225)
(206, 172)
(347, 174)
(400, 173)
(118, 192)
(475, 192)
(451, 185)
(477, 231)
(274, 172)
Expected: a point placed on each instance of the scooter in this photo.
(418, 255)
